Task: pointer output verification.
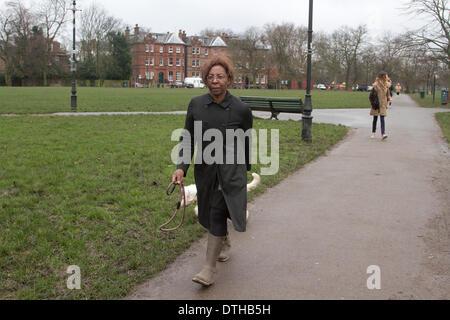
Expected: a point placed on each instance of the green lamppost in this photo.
(73, 66)
(307, 110)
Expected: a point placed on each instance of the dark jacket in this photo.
(231, 113)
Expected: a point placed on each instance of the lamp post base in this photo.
(307, 126)
(74, 102)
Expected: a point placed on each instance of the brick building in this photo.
(200, 49)
(165, 58)
(157, 58)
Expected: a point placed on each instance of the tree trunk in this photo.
(8, 80)
(45, 79)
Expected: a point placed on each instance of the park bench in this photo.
(274, 105)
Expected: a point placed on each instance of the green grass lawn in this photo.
(427, 101)
(57, 99)
(443, 118)
(90, 191)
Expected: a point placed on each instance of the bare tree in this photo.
(287, 49)
(249, 54)
(435, 34)
(96, 24)
(52, 15)
(7, 43)
(16, 36)
(348, 42)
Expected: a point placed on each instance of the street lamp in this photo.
(307, 110)
(73, 67)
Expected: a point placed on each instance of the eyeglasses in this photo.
(219, 77)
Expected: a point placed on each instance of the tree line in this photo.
(346, 54)
(29, 49)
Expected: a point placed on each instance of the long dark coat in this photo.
(231, 113)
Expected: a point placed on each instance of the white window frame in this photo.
(152, 48)
(170, 49)
(161, 49)
(178, 76)
(170, 75)
(152, 75)
(170, 62)
(161, 62)
(146, 47)
(178, 61)
(178, 50)
(152, 61)
(147, 61)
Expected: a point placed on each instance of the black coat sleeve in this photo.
(248, 124)
(187, 142)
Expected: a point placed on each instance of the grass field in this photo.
(443, 119)
(90, 191)
(57, 99)
(427, 102)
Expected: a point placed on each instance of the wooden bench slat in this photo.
(274, 105)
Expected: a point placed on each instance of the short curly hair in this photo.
(223, 61)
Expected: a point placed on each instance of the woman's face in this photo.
(217, 81)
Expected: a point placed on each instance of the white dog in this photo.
(191, 192)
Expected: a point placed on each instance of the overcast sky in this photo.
(237, 15)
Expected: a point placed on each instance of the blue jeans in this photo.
(374, 124)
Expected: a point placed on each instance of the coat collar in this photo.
(224, 104)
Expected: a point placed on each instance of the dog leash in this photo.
(181, 197)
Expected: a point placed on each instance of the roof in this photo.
(207, 41)
(161, 38)
(173, 38)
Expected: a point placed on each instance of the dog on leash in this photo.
(191, 192)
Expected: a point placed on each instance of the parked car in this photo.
(321, 86)
(177, 84)
(194, 83)
(362, 88)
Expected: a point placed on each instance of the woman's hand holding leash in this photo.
(177, 178)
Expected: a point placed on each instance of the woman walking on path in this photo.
(221, 185)
(381, 86)
(398, 89)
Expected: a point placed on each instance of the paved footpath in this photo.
(313, 236)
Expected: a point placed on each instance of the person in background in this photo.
(398, 89)
(381, 86)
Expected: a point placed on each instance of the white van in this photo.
(194, 83)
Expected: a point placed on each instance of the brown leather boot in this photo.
(206, 276)
(225, 252)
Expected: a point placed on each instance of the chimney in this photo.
(136, 31)
(127, 33)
